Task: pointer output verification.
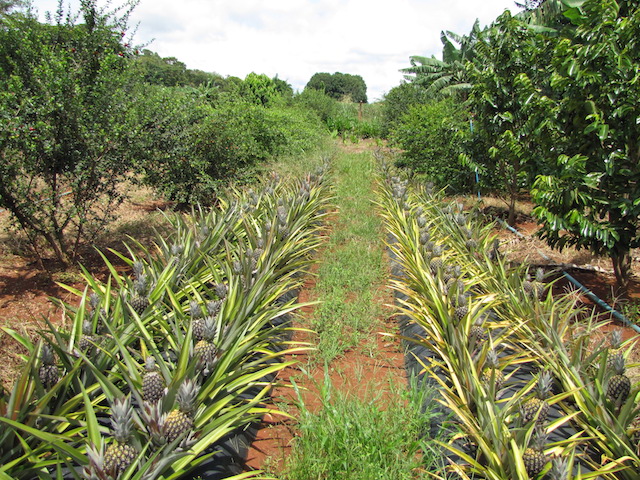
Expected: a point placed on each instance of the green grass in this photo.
(357, 439)
(353, 266)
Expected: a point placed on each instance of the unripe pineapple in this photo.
(282, 215)
(461, 308)
(492, 372)
(140, 300)
(221, 290)
(537, 407)
(424, 237)
(153, 383)
(206, 348)
(534, 457)
(477, 333)
(436, 264)
(120, 454)
(615, 348)
(213, 307)
(95, 311)
(87, 341)
(619, 385)
(180, 420)
(194, 309)
(48, 373)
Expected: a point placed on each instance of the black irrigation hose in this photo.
(601, 303)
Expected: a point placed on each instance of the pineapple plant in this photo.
(48, 372)
(206, 349)
(537, 407)
(153, 384)
(533, 457)
(619, 384)
(180, 420)
(120, 453)
(492, 372)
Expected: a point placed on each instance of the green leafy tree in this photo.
(7, 5)
(397, 102)
(63, 139)
(510, 112)
(592, 199)
(259, 89)
(340, 86)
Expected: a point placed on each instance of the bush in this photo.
(193, 148)
(432, 137)
(397, 102)
(63, 140)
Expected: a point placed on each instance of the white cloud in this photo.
(297, 38)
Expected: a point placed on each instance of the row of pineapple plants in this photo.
(152, 369)
(531, 395)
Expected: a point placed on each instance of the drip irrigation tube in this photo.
(601, 303)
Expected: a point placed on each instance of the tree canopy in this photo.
(340, 86)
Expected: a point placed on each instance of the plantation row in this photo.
(152, 375)
(524, 389)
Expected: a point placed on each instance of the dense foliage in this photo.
(591, 199)
(63, 98)
(85, 111)
(431, 136)
(553, 96)
(340, 86)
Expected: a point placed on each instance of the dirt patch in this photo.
(26, 288)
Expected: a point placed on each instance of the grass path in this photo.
(352, 393)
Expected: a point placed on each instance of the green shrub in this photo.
(193, 146)
(432, 137)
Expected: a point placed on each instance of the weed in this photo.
(354, 439)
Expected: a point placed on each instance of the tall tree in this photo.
(340, 86)
(63, 135)
(508, 106)
(592, 199)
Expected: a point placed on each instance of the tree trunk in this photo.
(621, 260)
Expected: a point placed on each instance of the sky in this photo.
(294, 39)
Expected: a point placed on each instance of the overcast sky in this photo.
(296, 38)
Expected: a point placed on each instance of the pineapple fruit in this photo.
(153, 383)
(537, 407)
(205, 349)
(615, 348)
(140, 300)
(492, 372)
(87, 341)
(533, 457)
(120, 453)
(48, 372)
(461, 309)
(180, 420)
(619, 385)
